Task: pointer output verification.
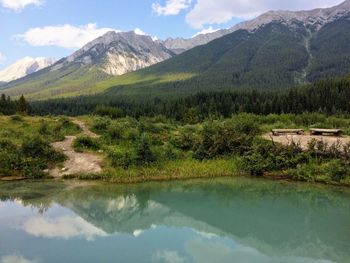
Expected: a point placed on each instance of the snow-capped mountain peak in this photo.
(24, 67)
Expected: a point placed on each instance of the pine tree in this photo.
(22, 106)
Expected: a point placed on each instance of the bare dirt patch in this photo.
(77, 163)
(304, 139)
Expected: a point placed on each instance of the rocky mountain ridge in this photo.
(24, 67)
(312, 19)
(118, 53)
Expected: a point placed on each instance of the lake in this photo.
(217, 220)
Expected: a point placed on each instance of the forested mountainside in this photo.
(276, 51)
(328, 96)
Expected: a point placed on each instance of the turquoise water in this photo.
(221, 220)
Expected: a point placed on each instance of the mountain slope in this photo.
(110, 55)
(277, 50)
(312, 19)
(274, 56)
(23, 68)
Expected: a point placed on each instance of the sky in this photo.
(56, 28)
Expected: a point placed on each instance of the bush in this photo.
(86, 143)
(17, 118)
(107, 111)
(44, 129)
(63, 128)
(219, 138)
(338, 170)
(115, 132)
(29, 160)
(306, 172)
(187, 139)
(265, 156)
(170, 153)
(38, 148)
(123, 159)
(144, 154)
(101, 124)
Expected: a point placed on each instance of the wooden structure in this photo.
(336, 132)
(277, 132)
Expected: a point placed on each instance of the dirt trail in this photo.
(303, 140)
(77, 162)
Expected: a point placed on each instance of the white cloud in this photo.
(206, 12)
(138, 31)
(206, 31)
(137, 232)
(18, 5)
(66, 36)
(15, 259)
(206, 251)
(167, 256)
(171, 7)
(63, 227)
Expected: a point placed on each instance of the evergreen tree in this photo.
(22, 106)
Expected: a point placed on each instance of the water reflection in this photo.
(65, 227)
(193, 221)
(15, 259)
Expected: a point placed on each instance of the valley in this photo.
(174, 131)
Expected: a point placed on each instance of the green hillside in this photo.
(273, 57)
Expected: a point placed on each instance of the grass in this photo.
(89, 82)
(161, 149)
(170, 170)
(25, 149)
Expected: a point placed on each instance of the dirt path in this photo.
(77, 162)
(303, 140)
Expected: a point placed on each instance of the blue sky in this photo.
(56, 28)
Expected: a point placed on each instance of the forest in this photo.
(208, 134)
(327, 96)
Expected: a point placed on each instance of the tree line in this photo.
(327, 96)
(10, 107)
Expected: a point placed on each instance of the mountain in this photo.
(313, 19)
(23, 68)
(118, 53)
(112, 54)
(277, 50)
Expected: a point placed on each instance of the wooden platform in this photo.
(316, 131)
(277, 132)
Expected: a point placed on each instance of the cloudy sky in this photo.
(56, 28)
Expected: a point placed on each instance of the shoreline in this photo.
(147, 179)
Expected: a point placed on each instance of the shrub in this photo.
(265, 156)
(63, 128)
(115, 132)
(306, 172)
(44, 129)
(144, 154)
(101, 124)
(170, 153)
(338, 170)
(107, 111)
(186, 140)
(220, 138)
(86, 143)
(36, 147)
(17, 118)
(123, 159)
(29, 160)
